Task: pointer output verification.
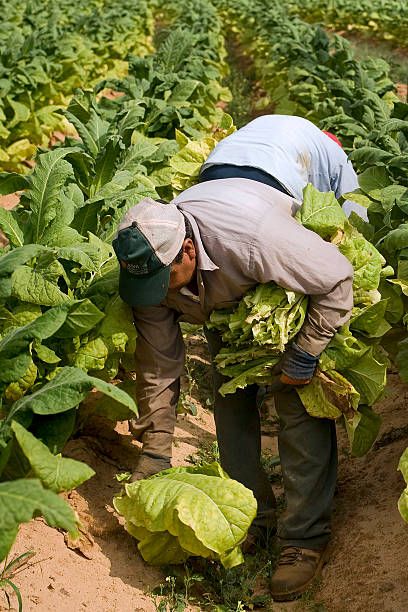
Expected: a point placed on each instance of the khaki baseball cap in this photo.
(149, 237)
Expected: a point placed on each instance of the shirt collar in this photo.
(203, 260)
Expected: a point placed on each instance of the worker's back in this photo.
(291, 149)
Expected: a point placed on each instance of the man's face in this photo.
(181, 274)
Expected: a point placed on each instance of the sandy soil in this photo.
(368, 565)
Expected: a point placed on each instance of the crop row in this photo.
(47, 49)
(387, 19)
(63, 327)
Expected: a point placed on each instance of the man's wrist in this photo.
(297, 364)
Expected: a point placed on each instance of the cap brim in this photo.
(147, 290)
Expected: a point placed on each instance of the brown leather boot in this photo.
(296, 569)
(148, 465)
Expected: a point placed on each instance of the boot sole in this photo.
(291, 595)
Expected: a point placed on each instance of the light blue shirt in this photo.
(295, 152)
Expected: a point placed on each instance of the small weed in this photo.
(169, 597)
(308, 603)
(166, 598)
(207, 586)
(207, 452)
(231, 590)
(9, 571)
(185, 404)
(271, 464)
(198, 373)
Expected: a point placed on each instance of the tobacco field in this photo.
(102, 104)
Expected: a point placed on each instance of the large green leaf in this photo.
(20, 315)
(23, 499)
(32, 285)
(373, 179)
(102, 288)
(120, 180)
(113, 410)
(402, 360)
(259, 374)
(91, 355)
(395, 305)
(65, 391)
(117, 328)
(55, 472)
(21, 385)
(82, 317)
(370, 155)
(40, 327)
(190, 158)
(47, 180)
(100, 252)
(366, 260)
(10, 228)
(105, 164)
(86, 218)
(5, 287)
(82, 164)
(59, 232)
(329, 395)
(397, 239)
(21, 112)
(368, 375)
(92, 132)
(371, 320)
(320, 212)
(7, 538)
(10, 182)
(134, 155)
(17, 257)
(403, 500)
(54, 429)
(161, 548)
(363, 430)
(115, 393)
(209, 514)
(12, 368)
(14, 463)
(45, 354)
(78, 253)
(183, 91)
(358, 197)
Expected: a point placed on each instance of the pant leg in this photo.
(308, 454)
(238, 428)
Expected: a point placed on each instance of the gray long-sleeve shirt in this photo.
(245, 234)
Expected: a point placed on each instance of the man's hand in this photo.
(295, 382)
(296, 368)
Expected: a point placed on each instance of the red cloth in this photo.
(333, 137)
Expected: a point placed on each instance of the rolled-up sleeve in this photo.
(298, 259)
(159, 365)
